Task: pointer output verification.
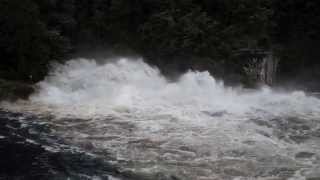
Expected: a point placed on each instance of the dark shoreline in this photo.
(14, 90)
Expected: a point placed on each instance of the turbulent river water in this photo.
(125, 112)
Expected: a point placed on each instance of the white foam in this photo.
(86, 88)
(129, 109)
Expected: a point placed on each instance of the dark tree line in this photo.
(35, 32)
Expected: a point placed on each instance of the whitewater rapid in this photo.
(192, 128)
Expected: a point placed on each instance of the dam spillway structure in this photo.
(259, 66)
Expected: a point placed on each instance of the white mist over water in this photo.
(195, 127)
(134, 86)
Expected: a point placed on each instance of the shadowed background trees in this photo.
(177, 34)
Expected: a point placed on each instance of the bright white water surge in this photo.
(193, 128)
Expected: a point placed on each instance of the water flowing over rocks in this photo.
(123, 118)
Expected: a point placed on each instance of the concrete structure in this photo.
(260, 66)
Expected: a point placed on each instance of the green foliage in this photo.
(297, 30)
(34, 32)
(26, 46)
(171, 32)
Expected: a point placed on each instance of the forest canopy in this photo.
(35, 32)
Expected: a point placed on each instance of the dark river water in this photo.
(124, 120)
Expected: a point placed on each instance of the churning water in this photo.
(194, 128)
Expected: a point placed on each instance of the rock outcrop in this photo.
(13, 90)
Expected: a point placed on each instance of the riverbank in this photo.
(13, 90)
